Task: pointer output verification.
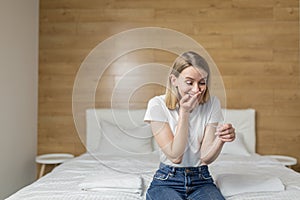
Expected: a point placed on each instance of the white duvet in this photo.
(69, 181)
(266, 176)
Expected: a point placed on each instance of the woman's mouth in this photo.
(192, 93)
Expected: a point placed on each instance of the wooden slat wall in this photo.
(254, 43)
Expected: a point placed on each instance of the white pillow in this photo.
(237, 147)
(233, 184)
(118, 141)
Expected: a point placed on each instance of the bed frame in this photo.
(236, 175)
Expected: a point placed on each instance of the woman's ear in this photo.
(173, 80)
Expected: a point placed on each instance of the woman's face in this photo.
(190, 81)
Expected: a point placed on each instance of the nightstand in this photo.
(285, 160)
(53, 159)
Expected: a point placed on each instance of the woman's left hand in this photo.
(226, 132)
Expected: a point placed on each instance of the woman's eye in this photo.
(189, 82)
(202, 83)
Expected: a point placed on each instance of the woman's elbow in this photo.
(207, 160)
(176, 160)
(204, 161)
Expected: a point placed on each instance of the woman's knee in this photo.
(207, 193)
(162, 193)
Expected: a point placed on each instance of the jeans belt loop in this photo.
(173, 170)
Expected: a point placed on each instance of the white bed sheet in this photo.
(259, 165)
(63, 182)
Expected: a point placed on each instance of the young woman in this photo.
(184, 123)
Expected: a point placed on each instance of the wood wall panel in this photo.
(255, 46)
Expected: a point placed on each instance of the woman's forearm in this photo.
(179, 142)
(208, 155)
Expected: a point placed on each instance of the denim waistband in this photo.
(184, 169)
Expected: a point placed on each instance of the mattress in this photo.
(258, 166)
(64, 182)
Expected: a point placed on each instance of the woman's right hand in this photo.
(189, 102)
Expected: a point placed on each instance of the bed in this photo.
(114, 169)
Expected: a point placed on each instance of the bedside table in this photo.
(288, 161)
(53, 159)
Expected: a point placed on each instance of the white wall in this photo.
(18, 93)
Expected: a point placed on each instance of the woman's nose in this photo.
(195, 88)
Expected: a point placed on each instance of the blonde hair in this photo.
(187, 59)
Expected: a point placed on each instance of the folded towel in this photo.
(232, 184)
(113, 181)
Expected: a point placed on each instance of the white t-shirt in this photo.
(209, 112)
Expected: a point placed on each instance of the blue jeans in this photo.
(190, 183)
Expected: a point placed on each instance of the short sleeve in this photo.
(155, 111)
(216, 111)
